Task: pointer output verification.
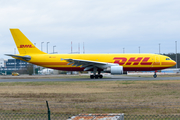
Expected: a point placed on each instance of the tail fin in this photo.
(24, 45)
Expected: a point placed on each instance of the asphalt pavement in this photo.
(109, 78)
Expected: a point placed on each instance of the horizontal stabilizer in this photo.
(26, 57)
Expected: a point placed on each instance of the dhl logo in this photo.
(132, 61)
(26, 46)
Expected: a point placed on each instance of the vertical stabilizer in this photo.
(24, 45)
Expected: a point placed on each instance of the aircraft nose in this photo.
(174, 63)
(170, 63)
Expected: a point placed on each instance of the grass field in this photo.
(130, 97)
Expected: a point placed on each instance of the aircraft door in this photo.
(157, 60)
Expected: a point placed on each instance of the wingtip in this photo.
(7, 54)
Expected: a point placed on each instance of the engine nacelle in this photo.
(115, 70)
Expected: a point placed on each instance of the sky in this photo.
(104, 26)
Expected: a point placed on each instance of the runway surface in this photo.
(112, 78)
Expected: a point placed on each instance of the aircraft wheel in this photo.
(100, 76)
(92, 76)
(96, 76)
(154, 75)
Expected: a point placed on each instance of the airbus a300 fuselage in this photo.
(111, 63)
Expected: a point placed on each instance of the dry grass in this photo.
(132, 97)
(43, 76)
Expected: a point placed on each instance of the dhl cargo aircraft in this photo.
(110, 63)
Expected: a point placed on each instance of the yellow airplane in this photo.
(110, 63)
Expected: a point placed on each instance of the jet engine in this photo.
(114, 70)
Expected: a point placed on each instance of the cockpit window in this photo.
(168, 58)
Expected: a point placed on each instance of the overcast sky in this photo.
(105, 26)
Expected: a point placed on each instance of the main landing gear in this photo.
(155, 75)
(96, 76)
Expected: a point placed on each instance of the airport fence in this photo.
(64, 111)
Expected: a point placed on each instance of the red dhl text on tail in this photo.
(26, 46)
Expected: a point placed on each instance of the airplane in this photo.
(115, 64)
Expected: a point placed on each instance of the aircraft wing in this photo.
(87, 64)
(27, 58)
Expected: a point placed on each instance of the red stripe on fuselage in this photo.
(143, 68)
(124, 68)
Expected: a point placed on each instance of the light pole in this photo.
(47, 46)
(34, 65)
(47, 53)
(15, 59)
(53, 48)
(159, 48)
(79, 48)
(41, 50)
(139, 49)
(176, 53)
(41, 46)
(123, 50)
(83, 48)
(71, 47)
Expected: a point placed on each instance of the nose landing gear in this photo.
(155, 75)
